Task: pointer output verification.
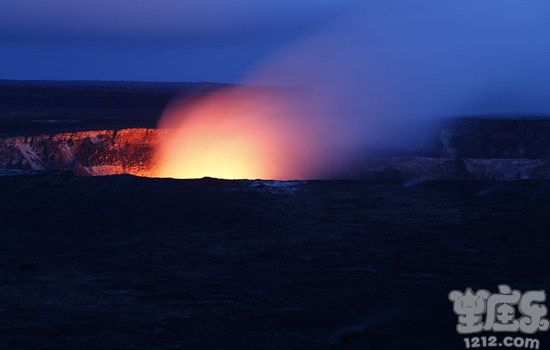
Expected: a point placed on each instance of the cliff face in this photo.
(443, 168)
(466, 152)
(497, 138)
(105, 152)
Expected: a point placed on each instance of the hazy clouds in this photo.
(190, 20)
(163, 40)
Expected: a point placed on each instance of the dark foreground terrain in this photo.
(125, 262)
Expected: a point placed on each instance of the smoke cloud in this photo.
(379, 80)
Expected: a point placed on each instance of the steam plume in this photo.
(376, 81)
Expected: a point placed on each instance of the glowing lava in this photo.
(237, 134)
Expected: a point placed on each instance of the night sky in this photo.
(153, 40)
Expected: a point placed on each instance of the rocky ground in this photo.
(126, 262)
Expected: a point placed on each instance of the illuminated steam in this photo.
(374, 82)
(240, 133)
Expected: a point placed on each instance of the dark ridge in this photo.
(35, 107)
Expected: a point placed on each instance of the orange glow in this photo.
(236, 134)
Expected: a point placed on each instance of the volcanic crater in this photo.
(111, 128)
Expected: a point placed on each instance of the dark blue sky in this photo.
(157, 40)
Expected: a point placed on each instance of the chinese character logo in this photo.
(500, 310)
